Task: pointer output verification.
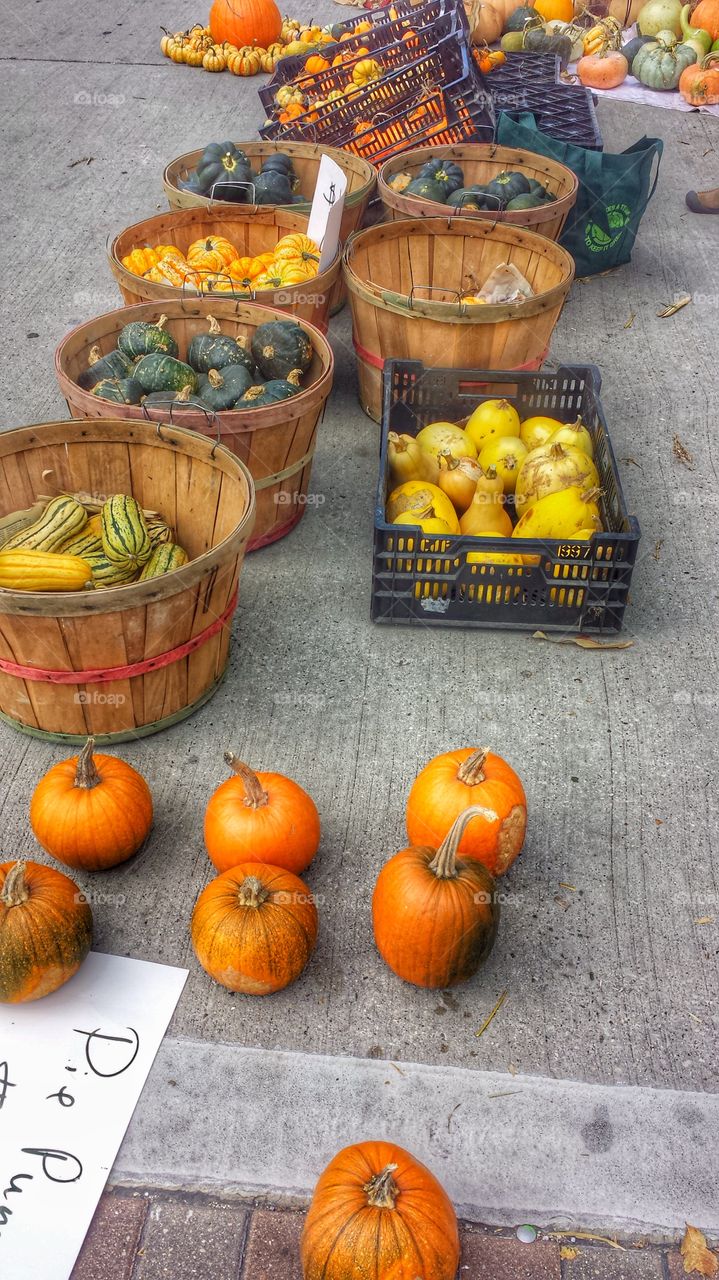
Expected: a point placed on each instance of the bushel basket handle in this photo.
(211, 416)
(249, 208)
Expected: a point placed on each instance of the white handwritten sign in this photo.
(328, 204)
(72, 1067)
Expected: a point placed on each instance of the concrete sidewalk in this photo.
(152, 1235)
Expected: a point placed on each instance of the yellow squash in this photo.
(422, 499)
(561, 515)
(438, 436)
(492, 418)
(22, 570)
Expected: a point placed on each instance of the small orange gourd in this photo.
(263, 817)
(486, 512)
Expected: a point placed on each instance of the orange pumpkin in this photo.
(699, 84)
(706, 17)
(435, 919)
(378, 1214)
(316, 63)
(261, 816)
(243, 22)
(453, 782)
(91, 811)
(605, 70)
(291, 112)
(555, 10)
(45, 930)
(213, 253)
(254, 928)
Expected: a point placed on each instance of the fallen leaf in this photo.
(568, 1253)
(628, 323)
(561, 902)
(583, 642)
(671, 308)
(588, 1235)
(681, 453)
(705, 920)
(493, 1014)
(696, 1255)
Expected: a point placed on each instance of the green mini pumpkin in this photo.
(428, 189)
(272, 186)
(267, 393)
(660, 63)
(445, 171)
(120, 390)
(221, 160)
(158, 372)
(215, 350)
(114, 365)
(280, 346)
(139, 338)
(222, 389)
(508, 185)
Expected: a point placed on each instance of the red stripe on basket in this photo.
(101, 675)
(277, 532)
(378, 363)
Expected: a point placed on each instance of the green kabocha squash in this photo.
(221, 390)
(517, 20)
(508, 185)
(272, 187)
(183, 399)
(140, 338)
(445, 171)
(221, 159)
(280, 346)
(267, 393)
(215, 350)
(528, 200)
(157, 372)
(114, 365)
(120, 390)
(427, 189)
(466, 199)
(538, 40)
(660, 63)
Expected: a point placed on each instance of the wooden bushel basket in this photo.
(306, 157)
(405, 282)
(124, 662)
(277, 443)
(481, 162)
(251, 230)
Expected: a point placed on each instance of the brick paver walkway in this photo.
(157, 1235)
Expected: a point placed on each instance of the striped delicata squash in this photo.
(125, 536)
(62, 518)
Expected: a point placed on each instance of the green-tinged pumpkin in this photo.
(125, 536)
(266, 393)
(506, 186)
(165, 557)
(428, 189)
(660, 63)
(280, 346)
(114, 365)
(45, 930)
(517, 20)
(272, 187)
(158, 372)
(140, 338)
(119, 390)
(216, 350)
(62, 518)
(447, 172)
(222, 389)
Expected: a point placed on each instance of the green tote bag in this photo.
(614, 191)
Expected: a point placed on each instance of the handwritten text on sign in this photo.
(72, 1067)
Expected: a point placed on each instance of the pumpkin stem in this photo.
(382, 1190)
(160, 324)
(15, 890)
(215, 379)
(591, 495)
(444, 862)
(255, 795)
(252, 892)
(183, 396)
(214, 326)
(471, 770)
(86, 774)
(94, 356)
(557, 451)
(446, 457)
(295, 377)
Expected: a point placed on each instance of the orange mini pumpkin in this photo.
(45, 930)
(699, 83)
(254, 928)
(264, 817)
(453, 782)
(378, 1214)
(91, 811)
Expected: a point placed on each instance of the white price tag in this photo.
(328, 205)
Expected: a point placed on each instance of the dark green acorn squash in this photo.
(222, 389)
(279, 161)
(158, 372)
(272, 187)
(516, 21)
(215, 350)
(444, 171)
(508, 185)
(632, 47)
(235, 188)
(528, 200)
(466, 199)
(279, 346)
(140, 338)
(219, 159)
(114, 365)
(427, 189)
(266, 393)
(121, 390)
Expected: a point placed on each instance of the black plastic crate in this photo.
(431, 579)
(530, 82)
